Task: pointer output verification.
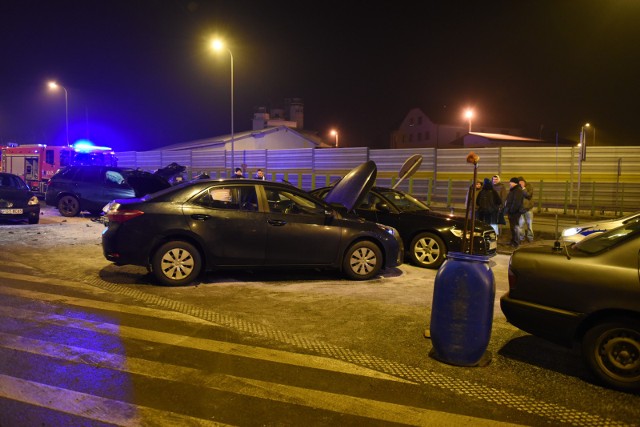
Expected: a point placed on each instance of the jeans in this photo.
(525, 226)
(514, 220)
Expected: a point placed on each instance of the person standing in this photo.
(260, 175)
(526, 219)
(513, 209)
(502, 191)
(488, 204)
(238, 173)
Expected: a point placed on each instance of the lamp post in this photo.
(54, 86)
(335, 133)
(468, 114)
(219, 45)
(581, 158)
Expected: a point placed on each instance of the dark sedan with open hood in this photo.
(212, 224)
(427, 235)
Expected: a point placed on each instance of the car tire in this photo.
(427, 250)
(612, 350)
(176, 263)
(362, 261)
(34, 219)
(68, 206)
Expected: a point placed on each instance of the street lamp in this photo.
(335, 133)
(218, 45)
(54, 86)
(581, 158)
(468, 114)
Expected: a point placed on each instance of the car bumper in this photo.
(550, 323)
(20, 214)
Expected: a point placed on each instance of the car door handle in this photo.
(200, 217)
(276, 222)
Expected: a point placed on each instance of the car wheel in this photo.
(176, 263)
(68, 206)
(362, 261)
(612, 351)
(34, 219)
(427, 250)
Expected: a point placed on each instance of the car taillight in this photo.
(123, 215)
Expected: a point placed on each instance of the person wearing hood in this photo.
(502, 191)
(513, 208)
(488, 204)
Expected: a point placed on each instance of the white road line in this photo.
(92, 407)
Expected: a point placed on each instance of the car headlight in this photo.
(388, 229)
(458, 233)
(33, 201)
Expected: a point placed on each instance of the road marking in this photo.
(92, 407)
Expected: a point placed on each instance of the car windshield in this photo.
(403, 201)
(609, 238)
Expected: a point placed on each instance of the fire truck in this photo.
(36, 163)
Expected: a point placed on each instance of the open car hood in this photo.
(146, 182)
(353, 187)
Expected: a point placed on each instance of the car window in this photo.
(609, 238)
(114, 177)
(370, 202)
(403, 201)
(288, 202)
(90, 175)
(12, 182)
(229, 197)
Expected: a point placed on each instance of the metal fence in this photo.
(606, 183)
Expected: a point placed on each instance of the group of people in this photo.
(494, 202)
(238, 173)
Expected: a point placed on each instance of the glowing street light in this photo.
(335, 133)
(218, 45)
(468, 114)
(54, 86)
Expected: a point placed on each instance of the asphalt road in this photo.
(259, 348)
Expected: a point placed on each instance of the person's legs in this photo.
(515, 229)
(528, 217)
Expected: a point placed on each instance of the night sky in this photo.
(140, 75)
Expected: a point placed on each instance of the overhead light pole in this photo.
(54, 86)
(335, 133)
(581, 158)
(218, 45)
(468, 114)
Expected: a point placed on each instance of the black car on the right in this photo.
(586, 293)
(427, 235)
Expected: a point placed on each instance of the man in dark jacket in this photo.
(526, 219)
(513, 208)
(488, 204)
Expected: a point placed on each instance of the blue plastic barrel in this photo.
(462, 310)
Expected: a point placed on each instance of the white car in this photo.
(582, 231)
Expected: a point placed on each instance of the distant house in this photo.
(271, 138)
(487, 140)
(417, 130)
(273, 129)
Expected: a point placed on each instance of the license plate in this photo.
(10, 211)
(493, 244)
